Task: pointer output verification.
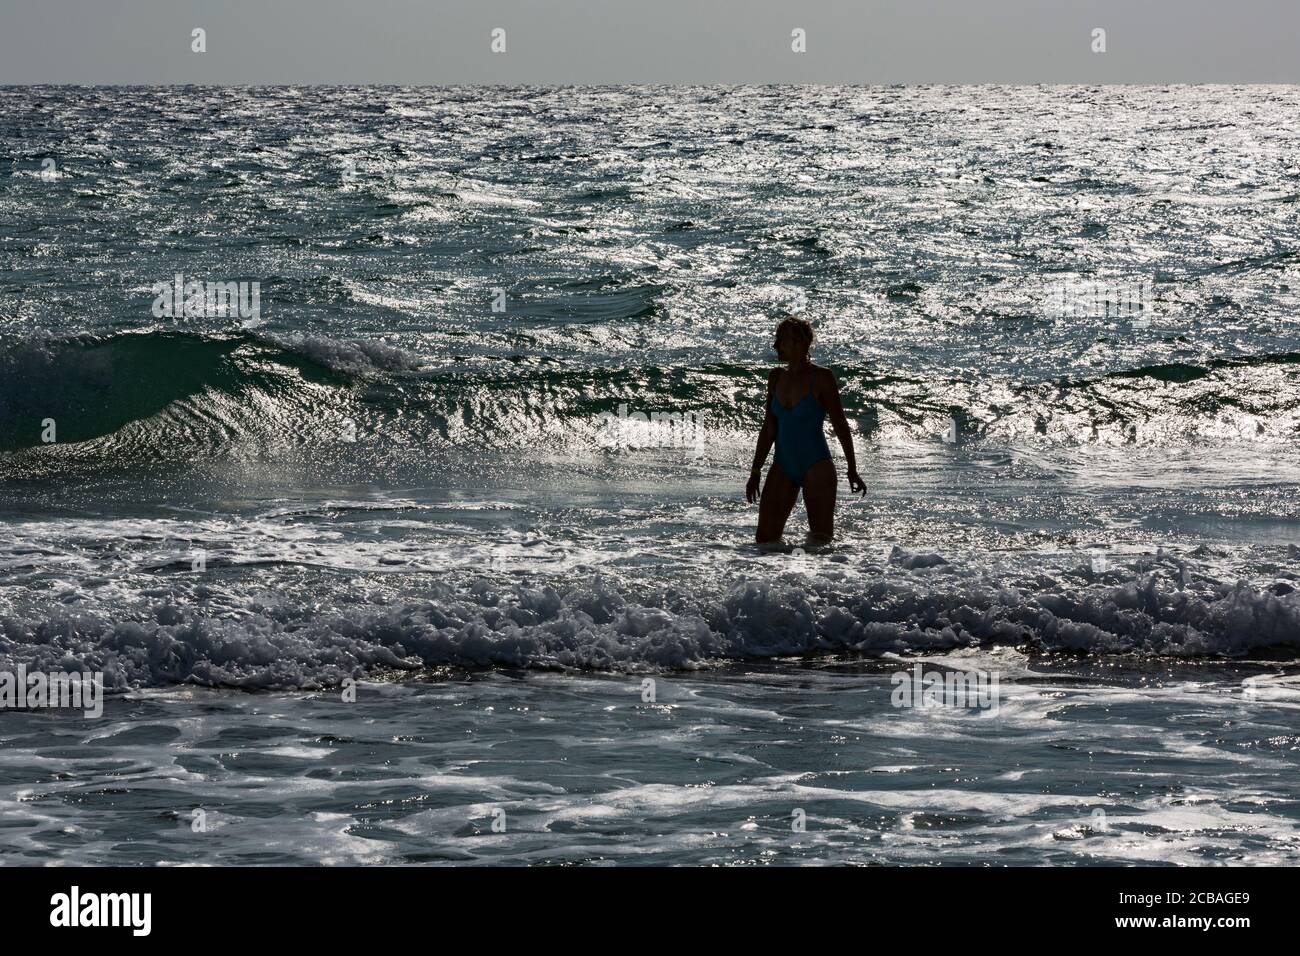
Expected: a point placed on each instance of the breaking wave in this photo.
(158, 393)
(602, 626)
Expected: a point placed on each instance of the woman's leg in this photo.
(775, 504)
(819, 498)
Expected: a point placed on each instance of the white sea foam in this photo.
(269, 640)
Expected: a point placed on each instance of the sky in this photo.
(649, 41)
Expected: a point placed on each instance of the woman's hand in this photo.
(856, 484)
(751, 486)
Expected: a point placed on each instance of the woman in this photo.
(799, 397)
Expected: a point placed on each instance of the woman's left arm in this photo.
(830, 400)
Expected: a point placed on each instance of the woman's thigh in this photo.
(819, 498)
(775, 504)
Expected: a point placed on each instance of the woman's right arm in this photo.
(766, 435)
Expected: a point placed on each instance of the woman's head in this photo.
(794, 337)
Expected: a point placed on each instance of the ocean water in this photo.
(447, 528)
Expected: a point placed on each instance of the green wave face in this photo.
(91, 387)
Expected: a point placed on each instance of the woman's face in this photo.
(787, 348)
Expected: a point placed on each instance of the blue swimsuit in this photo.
(800, 439)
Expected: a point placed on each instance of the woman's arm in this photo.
(766, 435)
(830, 399)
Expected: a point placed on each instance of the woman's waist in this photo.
(801, 436)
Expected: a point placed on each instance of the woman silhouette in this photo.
(799, 398)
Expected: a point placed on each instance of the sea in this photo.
(380, 452)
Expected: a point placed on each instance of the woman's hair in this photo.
(801, 329)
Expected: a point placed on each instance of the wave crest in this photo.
(594, 626)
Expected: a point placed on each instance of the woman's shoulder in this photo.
(823, 373)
